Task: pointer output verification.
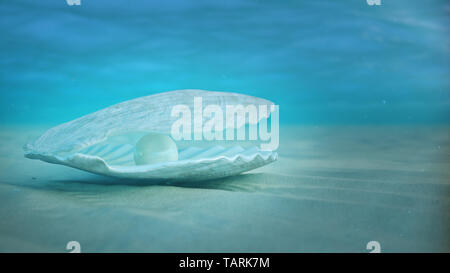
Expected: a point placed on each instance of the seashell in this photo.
(133, 140)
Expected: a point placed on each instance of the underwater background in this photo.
(364, 98)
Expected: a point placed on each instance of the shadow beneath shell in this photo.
(240, 183)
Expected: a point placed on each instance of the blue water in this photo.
(324, 62)
(364, 97)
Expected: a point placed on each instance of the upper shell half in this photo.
(104, 142)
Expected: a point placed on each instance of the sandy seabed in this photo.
(333, 189)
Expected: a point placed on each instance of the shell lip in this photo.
(98, 165)
(46, 156)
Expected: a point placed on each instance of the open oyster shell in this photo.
(103, 142)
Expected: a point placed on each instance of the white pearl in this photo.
(155, 148)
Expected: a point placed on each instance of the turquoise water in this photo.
(364, 97)
(322, 61)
